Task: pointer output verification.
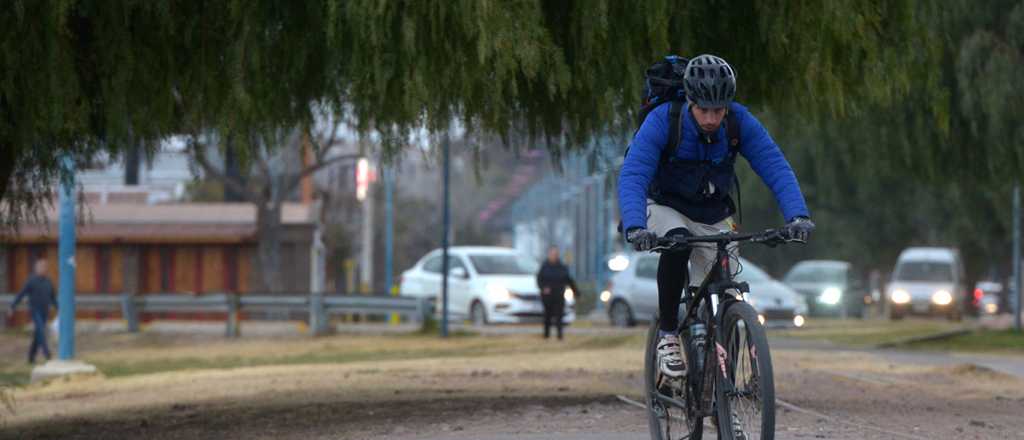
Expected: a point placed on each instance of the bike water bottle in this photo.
(698, 340)
(698, 334)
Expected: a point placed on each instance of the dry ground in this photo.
(473, 387)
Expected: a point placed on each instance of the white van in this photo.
(927, 281)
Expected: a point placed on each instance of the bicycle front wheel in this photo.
(669, 408)
(746, 395)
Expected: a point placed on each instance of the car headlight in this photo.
(942, 298)
(799, 321)
(568, 294)
(618, 263)
(498, 292)
(830, 296)
(900, 296)
(606, 296)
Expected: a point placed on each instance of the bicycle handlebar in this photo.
(770, 237)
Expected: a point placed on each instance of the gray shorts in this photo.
(661, 219)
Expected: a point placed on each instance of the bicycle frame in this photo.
(710, 376)
(713, 288)
(713, 292)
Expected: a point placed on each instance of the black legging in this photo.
(673, 277)
(554, 307)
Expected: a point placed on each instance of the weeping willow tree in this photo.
(84, 77)
(933, 167)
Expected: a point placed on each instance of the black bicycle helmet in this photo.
(709, 81)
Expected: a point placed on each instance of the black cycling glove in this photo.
(642, 239)
(798, 229)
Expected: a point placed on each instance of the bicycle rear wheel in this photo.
(746, 393)
(667, 420)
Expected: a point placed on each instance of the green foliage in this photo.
(83, 76)
(919, 170)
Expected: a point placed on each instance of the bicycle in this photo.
(730, 379)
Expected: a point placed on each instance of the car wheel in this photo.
(620, 314)
(477, 314)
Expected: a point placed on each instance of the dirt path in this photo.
(526, 390)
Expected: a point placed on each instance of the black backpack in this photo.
(663, 83)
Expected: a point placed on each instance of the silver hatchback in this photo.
(632, 293)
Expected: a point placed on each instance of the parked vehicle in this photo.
(831, 287)
(988, 297)
(485, 285)
(631, 295)
(927, 281)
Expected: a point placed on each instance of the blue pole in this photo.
(388, 229)
(1017, 288)
(445, 224)
(66, 252)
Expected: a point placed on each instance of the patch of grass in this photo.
(336, 356)
(987, 341)
(866, 333)
(14, 376)
(465, 345)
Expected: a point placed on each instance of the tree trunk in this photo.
(233, 171)
(132, 163)
(7, 160)
(269, 229)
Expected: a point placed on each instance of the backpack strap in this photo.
(675, 122)
(732, 130)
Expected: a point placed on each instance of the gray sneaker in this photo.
(670, 358)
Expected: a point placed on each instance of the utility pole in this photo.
(1018, 292)
(66, 253)
(365, 195)
(65, 363)
(389, 232)
(389, 228)
(445, 222)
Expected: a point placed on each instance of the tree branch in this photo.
(295, 181)
(320, 149)
(199, 154)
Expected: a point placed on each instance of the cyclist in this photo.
(687, 191)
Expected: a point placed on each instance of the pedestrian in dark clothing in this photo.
(553, 278)
(39, 291)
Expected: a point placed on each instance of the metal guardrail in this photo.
(319, 307)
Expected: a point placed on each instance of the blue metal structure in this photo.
(388, 228)
(1017, 288)
(66, 253)
(572, 208)
(446, 225)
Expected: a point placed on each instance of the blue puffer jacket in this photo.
(642, 161)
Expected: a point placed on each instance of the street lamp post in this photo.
(445, 226)
(1018, 291)
(65, 363)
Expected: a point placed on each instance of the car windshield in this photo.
(751, 272)
(931, 271)
(496, 264)
(832, 275)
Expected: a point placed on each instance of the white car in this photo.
(485, 285)
(632, 293)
